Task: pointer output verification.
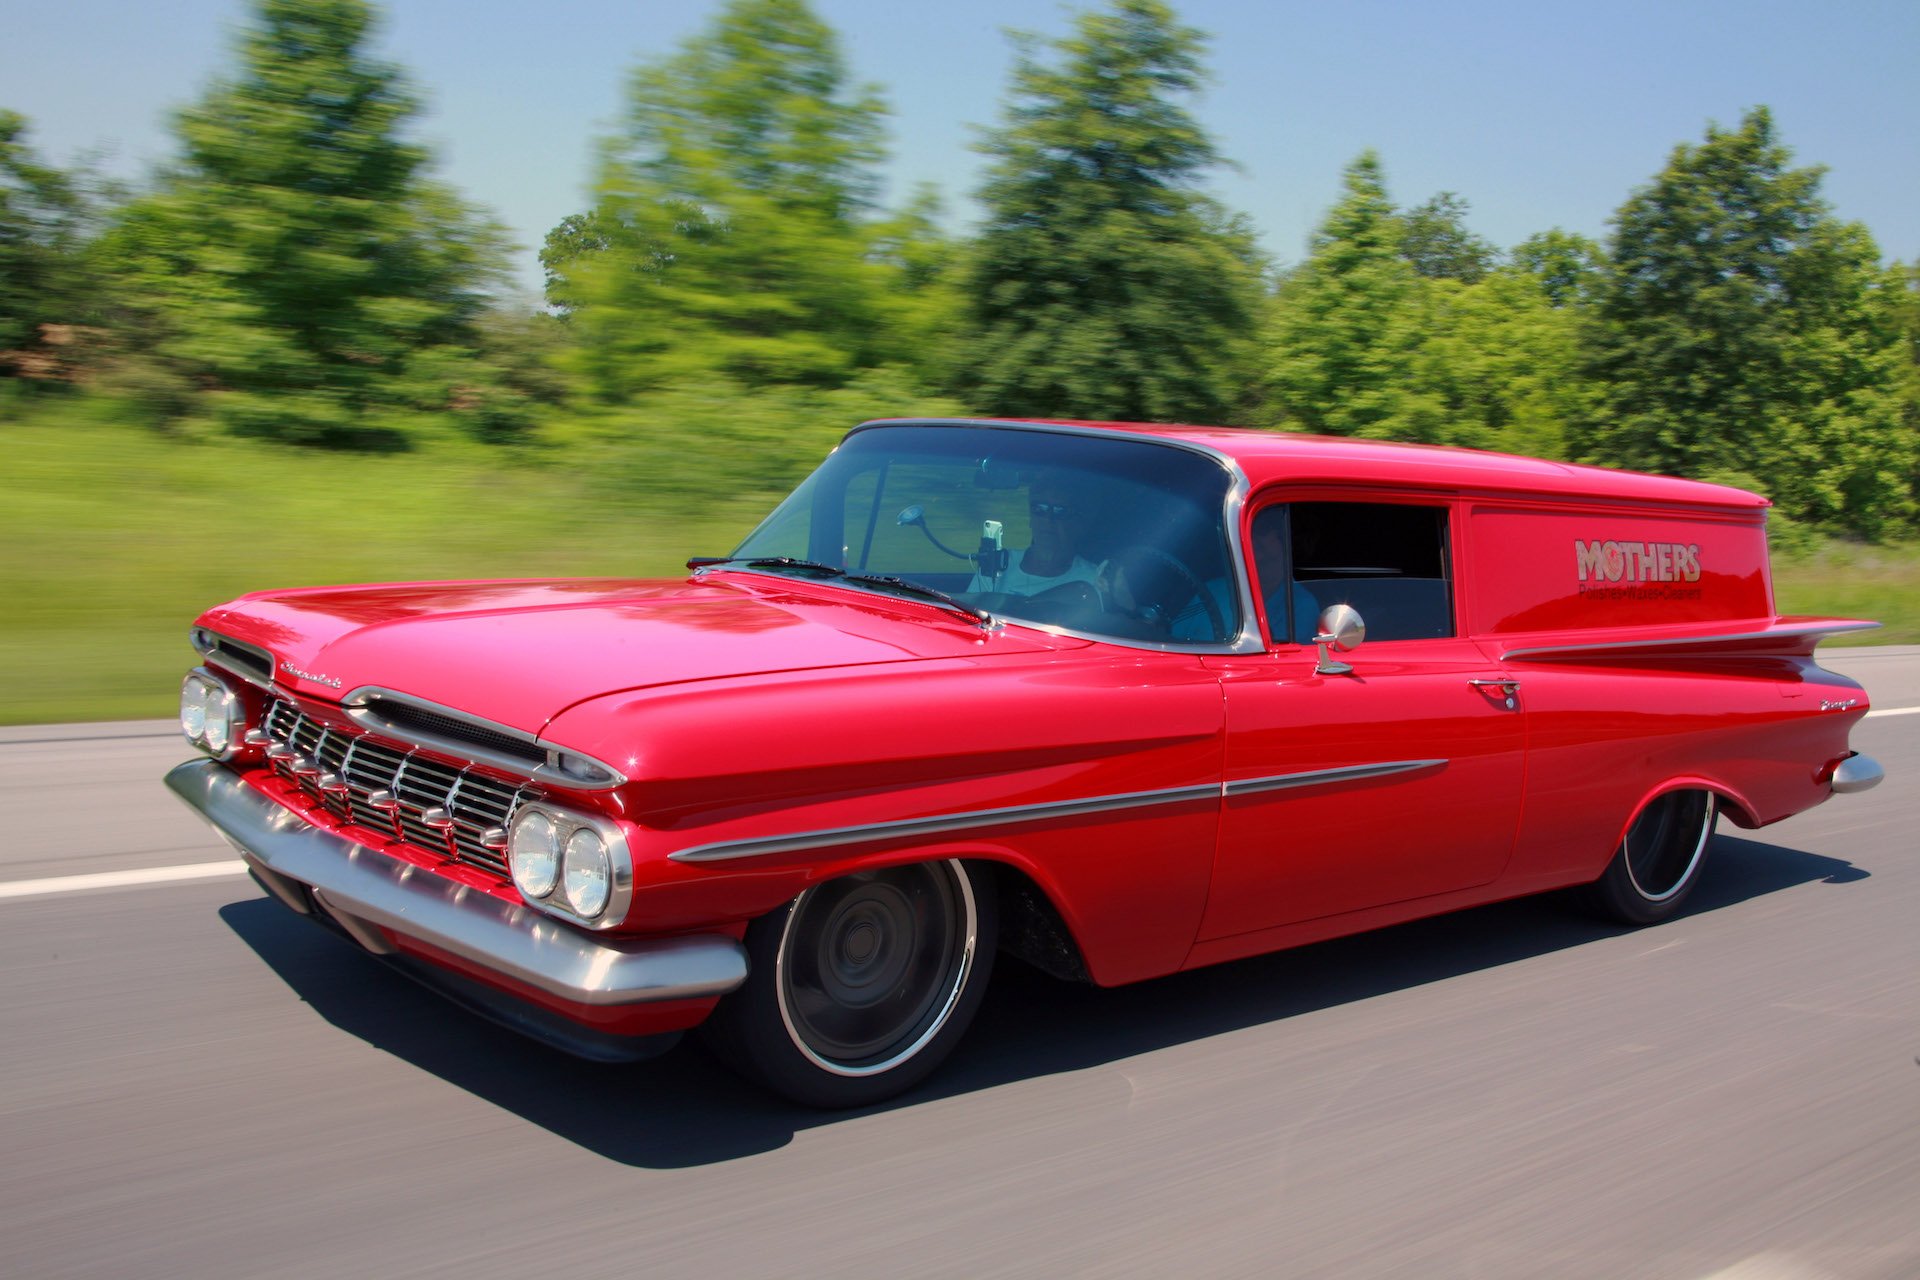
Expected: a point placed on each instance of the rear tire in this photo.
(860, 987)
(1658, 863)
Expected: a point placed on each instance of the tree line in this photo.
(296, 273)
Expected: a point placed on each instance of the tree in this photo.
(297, 259)
(1434, 239)
(728, 233)
(1741, 327)
(1104, 283)
(924, 284)
(41, 278)
(1499, 365)
(1364, 342)
(1347, 325)
(1568, 266)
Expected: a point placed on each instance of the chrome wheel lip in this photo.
(963, 970)
(1685, 877)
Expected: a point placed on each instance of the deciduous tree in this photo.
(1427, 342)
(297, 258)
(1741, 327)
(41, 277)
(729, 231)
(1435, 240)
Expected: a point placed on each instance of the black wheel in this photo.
(859, 987)
(1656, 866)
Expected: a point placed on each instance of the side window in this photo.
(1388, 560)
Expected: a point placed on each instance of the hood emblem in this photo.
(331, 682)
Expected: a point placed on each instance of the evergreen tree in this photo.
(1347, 325)
(1741, 327)
(1104, 283)
(728, 234)
(297, 259)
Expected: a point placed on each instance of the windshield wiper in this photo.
(919, 591)
(889, 582)
(766, 562)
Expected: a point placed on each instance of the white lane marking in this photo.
(120, 879)
(1894, 711)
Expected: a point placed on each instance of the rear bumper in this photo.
(1856, 773)
(365, 891)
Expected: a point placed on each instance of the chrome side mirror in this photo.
(1341, 630)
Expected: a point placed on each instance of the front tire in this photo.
(1658, 863)
(858, 988)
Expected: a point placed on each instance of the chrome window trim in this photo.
(355, 704)
(619, 864)
(941, 824)
(1248, 641)
(1727, 637)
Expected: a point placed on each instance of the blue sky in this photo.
(1541, 114)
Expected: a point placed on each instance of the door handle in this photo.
(1509, 689)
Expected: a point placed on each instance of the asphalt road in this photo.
(194, 1083)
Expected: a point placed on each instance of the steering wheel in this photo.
(1138, 551)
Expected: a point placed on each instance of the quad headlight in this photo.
(211, 715)
(571, 864)
(589, 873)
(533, 849)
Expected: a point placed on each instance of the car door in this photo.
(1396, 780)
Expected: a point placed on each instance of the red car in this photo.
(1093, 695)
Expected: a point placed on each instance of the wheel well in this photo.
(1725, 802)
(1732, 807)
(1031, 928)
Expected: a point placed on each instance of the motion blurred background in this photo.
(300, 291)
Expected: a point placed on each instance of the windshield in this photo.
(1104, 536)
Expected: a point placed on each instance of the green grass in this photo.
(1849, 580)
(113, 537)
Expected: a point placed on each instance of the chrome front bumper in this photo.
(360, 886)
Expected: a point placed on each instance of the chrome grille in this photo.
(475, 801)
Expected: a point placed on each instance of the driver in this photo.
(1059, 517)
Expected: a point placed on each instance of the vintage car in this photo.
(1090, 694)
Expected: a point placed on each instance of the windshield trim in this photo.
(1248, 641)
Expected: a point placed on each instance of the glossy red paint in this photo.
(518, 653)
(1612, 638)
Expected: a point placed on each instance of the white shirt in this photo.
(1018, 581)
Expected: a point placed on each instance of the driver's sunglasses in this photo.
(1051, 511)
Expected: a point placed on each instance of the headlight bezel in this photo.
(221, 704)
(567, 823)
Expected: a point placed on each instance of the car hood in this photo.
(519, 653)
